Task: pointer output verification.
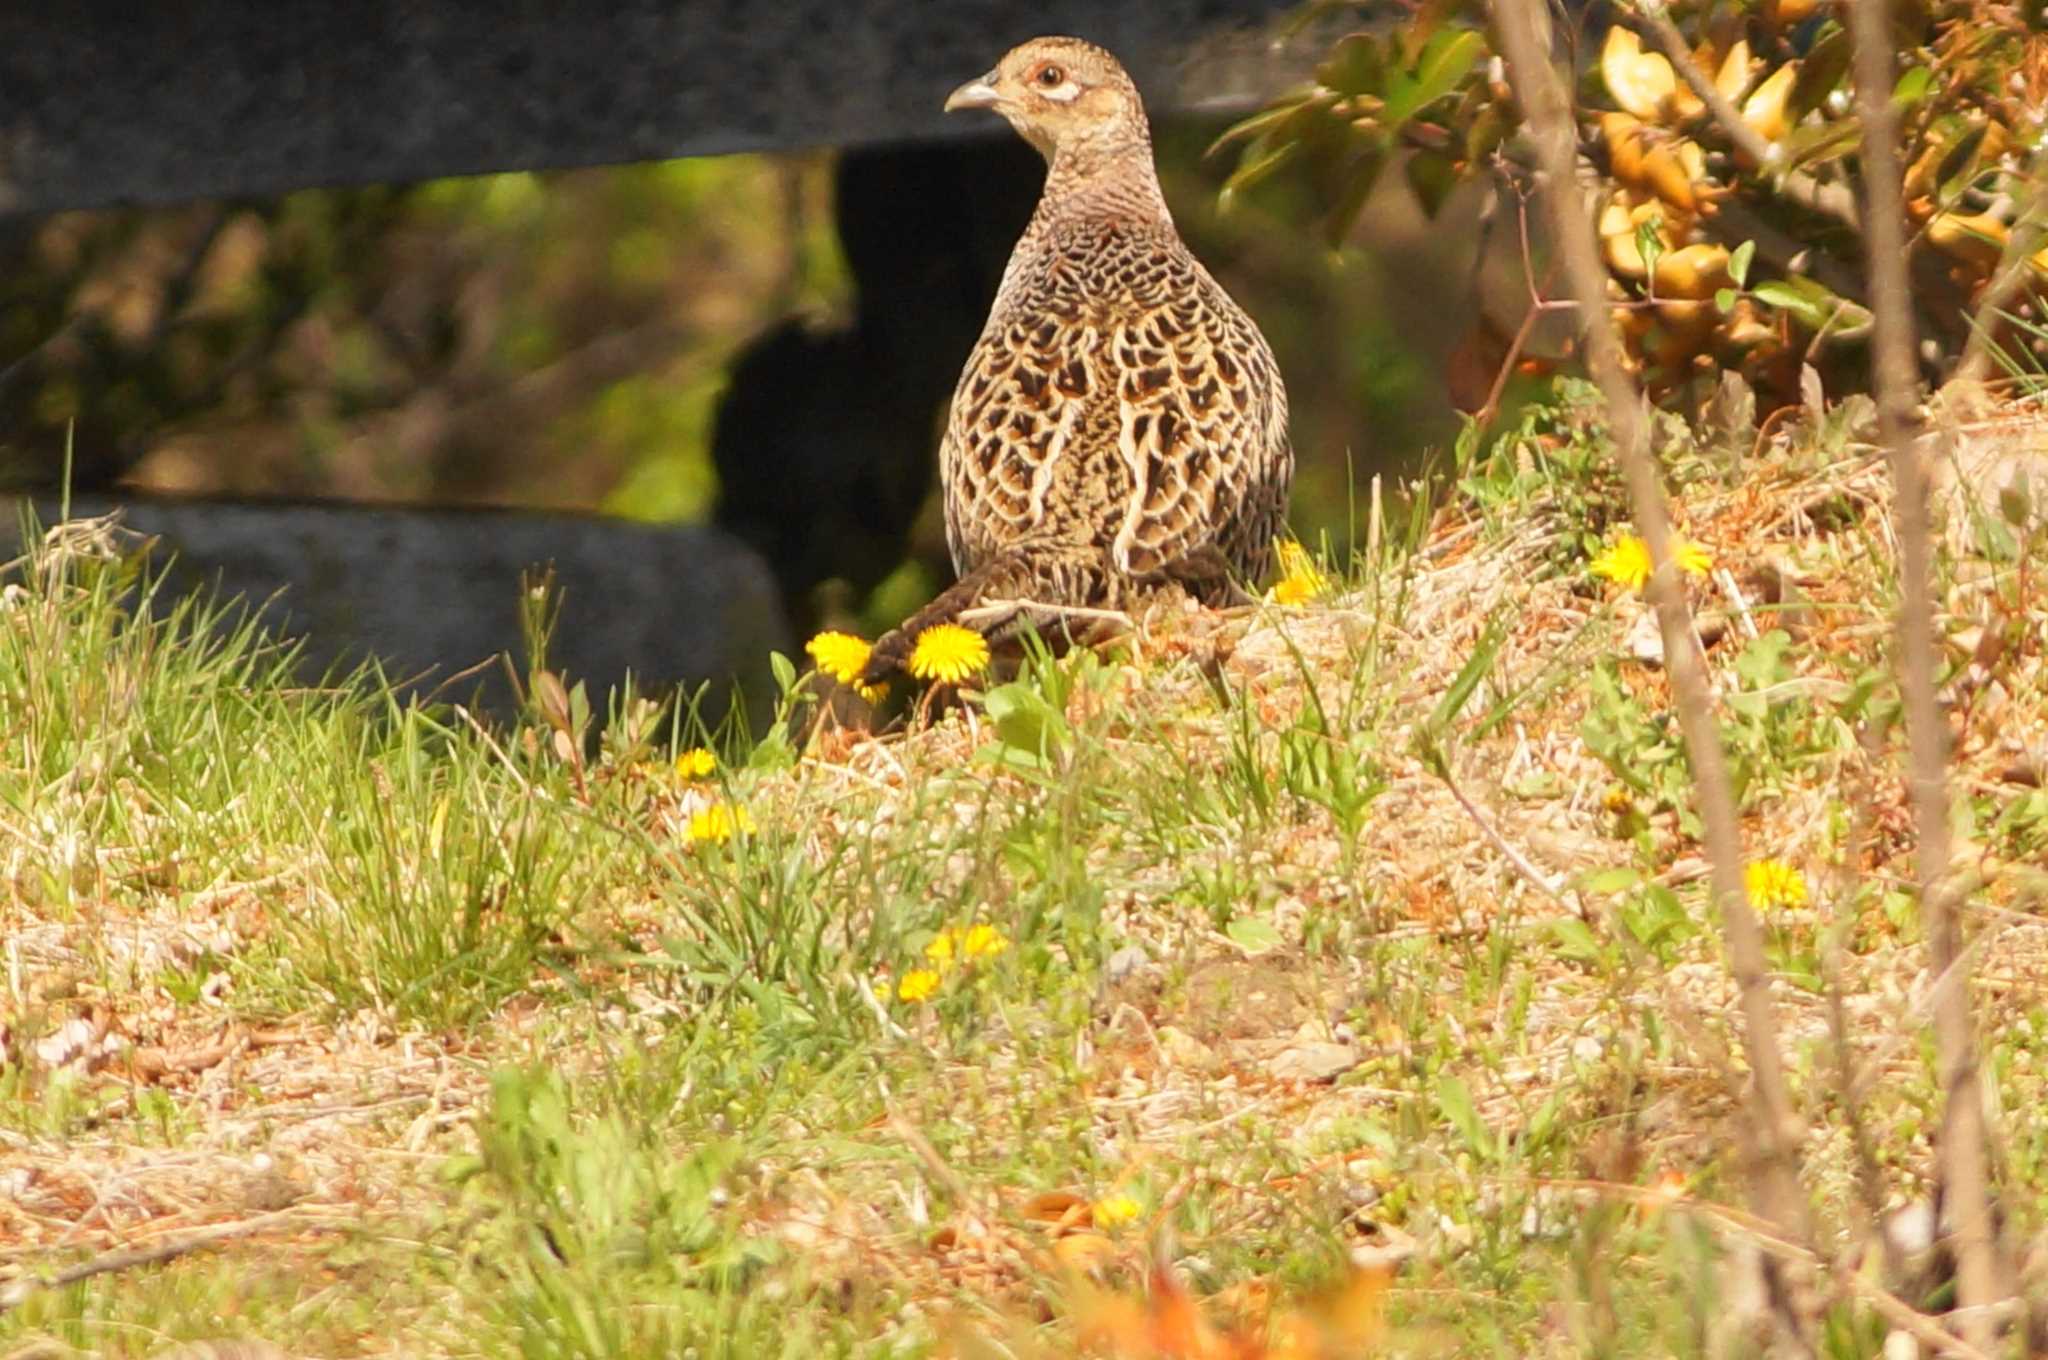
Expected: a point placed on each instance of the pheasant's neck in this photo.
(1115, 181)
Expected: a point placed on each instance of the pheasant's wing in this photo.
(1118, 344)
(1021, 402)
(1202, 430)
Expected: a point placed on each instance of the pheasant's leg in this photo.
(1204, 574)
(1050, 574)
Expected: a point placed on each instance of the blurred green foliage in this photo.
(563, 340)
(548, 340)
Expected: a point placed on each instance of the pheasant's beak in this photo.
(979, 93)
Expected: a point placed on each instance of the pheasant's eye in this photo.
(1049, 76)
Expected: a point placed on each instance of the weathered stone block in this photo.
(434, 592)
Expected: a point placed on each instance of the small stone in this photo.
(1181, 1049)
(1645, 642)
(1126, 964)
(226, 1350)
(1315, 1061)
(1911, 1229)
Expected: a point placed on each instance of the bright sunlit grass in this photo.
(588, 1037)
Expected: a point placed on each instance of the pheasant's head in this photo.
(1062, 95)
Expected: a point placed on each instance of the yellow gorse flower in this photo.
(957, 943)
(696, 763)
(843, 657)
(1773, 883)
(1301, 580)
(1111, 1210)
(982, 942)
(717, 823)
(948, 653)
(918, 984)
(1627, 563)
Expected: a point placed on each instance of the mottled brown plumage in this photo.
(1121, 425)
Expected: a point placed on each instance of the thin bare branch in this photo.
(1774, 1183)
(1904, 1316)
(1870, 1188)
(1766, 1240)
(2029, 230)
(18, 1292)
(1682, 1013)
(1963, 1144)
(1542, 882)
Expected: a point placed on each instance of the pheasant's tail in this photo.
(1050, 586)
(994, 599)
(995, 579)
(891, 653)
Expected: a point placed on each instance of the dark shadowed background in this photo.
(754, 335)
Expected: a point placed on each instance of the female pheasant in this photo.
(1120, 426)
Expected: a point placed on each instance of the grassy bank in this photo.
(1369, 927)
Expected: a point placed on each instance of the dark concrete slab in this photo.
(433, 593)
(109, 101)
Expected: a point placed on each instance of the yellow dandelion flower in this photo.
(982, 942)
(940, 950)
(1627, 563)
(840, 655)
(1114, 1209)
(843, 657)
(918, 984)
(948, 653)
(1293, 590)
(718, 822)
(1301, 580)
(1691, 556)
(696, 763)
(1773, 883)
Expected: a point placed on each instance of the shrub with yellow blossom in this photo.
(954, 946)
(982, 942)
(965, 943)
(1671, 177)
(918, 984)
(696, 763)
